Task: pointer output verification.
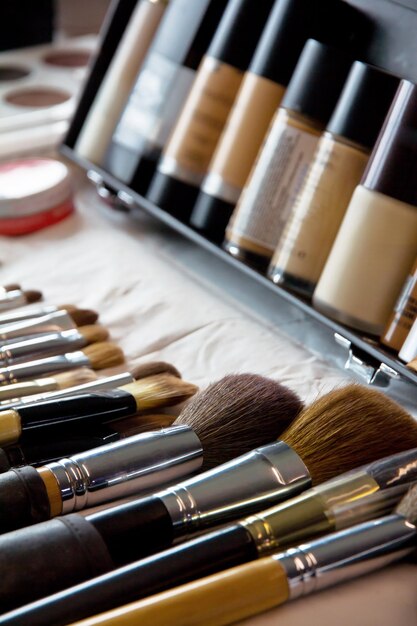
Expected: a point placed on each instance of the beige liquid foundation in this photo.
(282, 164)
(377, 241)
(289, 25)
(338, 166)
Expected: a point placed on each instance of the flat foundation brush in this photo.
(239, 592)
(53, 322)
(244, 410)
(12, 299)
(344, 429)
(81, 316)
(84, 410)
(97, 356)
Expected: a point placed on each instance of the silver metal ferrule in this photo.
(53, 322)
(40, 367)
(11, 299)
(27, 313)
(251, 482)
(346, 554)
(48, 343)
(130, 466)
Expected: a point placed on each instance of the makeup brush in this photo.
(239, 592)
(51, 343)
(268, 408)
(145, 461)
(96, 356)
(11, 299)
(87, 409)
(354, 414)
(10, 287)
(53, 322)
(76, 381)
(31, 312)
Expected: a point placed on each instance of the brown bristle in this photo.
(75, 377)
(104, 354)
(12, 287)
(160, 390)
(153, 368)
(347, 428)
(93, 333)
(32, 296)
(69, 308)
(408, 505)
(238, 413)
(82, 317)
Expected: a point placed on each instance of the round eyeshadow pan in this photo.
(37, 97)
(13, 72)
(68, 58)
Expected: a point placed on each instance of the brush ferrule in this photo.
(127, 467)
(252, 481)
(40, 367)
(346, 554)
(46, 343)
(53, 322)
(11, 299)
(395, 469)
(27, 313)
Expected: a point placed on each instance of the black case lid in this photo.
(292, 22)
(187, 29)
(239, 30)
(392, 167)
(363, 104)
(317, 81)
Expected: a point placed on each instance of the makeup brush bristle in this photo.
(82, 317)
(153, 368)
(33, 296)
(104, 354)
(347, 428)
(93, 333)
(75, 377)
(160, 390)
(238, 413)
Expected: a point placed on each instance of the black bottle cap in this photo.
(392, 167)
(239, 30)
(317, 82)
(364, 103)
(292, 22)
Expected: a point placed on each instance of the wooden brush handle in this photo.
(23, 499)
(44, 558)
(216, 600)
(81, 409)
(200, 557)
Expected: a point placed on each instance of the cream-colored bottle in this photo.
(115, 88)
(338, 166)
(377, 241)
(284, 160)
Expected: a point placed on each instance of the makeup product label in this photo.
(194, 139)
(153, 107)
(319, 209)
(405, 312)
(255, 106)
(272, 188)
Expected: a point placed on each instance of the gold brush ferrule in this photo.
(10, 427)
(307, 515)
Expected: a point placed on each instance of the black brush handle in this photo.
(86, 408)
(200, 557)
(23, 499)
(5, 461)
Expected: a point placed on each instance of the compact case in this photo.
(393, 47)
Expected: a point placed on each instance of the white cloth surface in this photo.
(150, 290)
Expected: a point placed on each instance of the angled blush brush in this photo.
(52, 322)
(12, 299)
(333, 434)
(47, 344)
(31, 312)
(87, 409)
(96, 356)
(249, 589)
(261, 409)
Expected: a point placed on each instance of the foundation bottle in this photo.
(289, 25)
(187, 155)
(377, 241)
(340, 160)
(98, 128)
(281, 166)
(160, 89)
(404, 314)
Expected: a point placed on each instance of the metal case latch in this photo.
(364, 366)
